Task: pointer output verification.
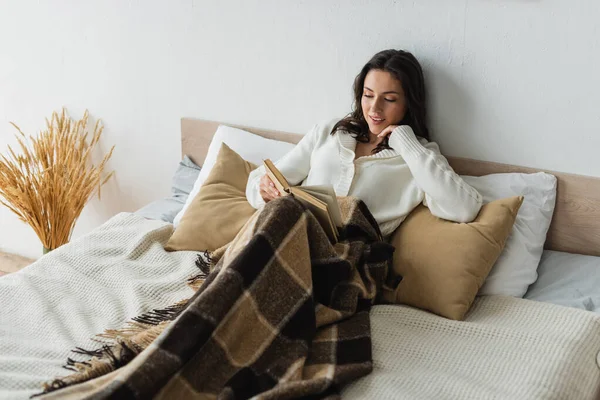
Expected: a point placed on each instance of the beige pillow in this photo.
(442, 263)
(220, 208)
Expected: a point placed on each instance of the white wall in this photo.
(512, 81)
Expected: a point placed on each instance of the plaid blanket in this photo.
(282, 313)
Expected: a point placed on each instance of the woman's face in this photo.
(383, 101)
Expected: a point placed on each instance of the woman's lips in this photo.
(376, 120)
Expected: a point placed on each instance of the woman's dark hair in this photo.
(405, 67)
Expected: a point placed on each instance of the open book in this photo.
(320, 200)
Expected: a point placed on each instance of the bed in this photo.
(547, 346)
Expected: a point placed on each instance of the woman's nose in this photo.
(376, 106)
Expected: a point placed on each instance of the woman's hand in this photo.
(387, 131)
(267, 189)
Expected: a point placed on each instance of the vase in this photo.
(46, 250)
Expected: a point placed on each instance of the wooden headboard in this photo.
(575, 225)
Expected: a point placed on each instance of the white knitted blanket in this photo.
(507, 348)
(118, 271)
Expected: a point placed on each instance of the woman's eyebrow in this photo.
(388, 92)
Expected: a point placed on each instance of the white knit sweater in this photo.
(391, 182)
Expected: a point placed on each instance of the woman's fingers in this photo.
(266, 195)
(387, 131)
(274, 190)
(269, 187)
(268, 191)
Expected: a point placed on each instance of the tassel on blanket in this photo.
(155, 317)
(203, 262)
(104, 361)
(144, 322)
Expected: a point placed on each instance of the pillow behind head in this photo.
(250, 147)
(442, 263)
(220, 209)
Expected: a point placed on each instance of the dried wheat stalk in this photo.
(50, 182)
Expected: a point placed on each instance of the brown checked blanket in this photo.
(282, 314)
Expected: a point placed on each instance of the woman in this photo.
(379, 153)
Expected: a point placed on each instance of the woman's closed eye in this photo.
(370, 96)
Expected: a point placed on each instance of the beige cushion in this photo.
(442, 263)
(220, 208)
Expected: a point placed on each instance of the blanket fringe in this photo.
(155, 317)
(142, 323)
(104, 361)
(203, 262)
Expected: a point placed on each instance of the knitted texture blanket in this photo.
(506, 348)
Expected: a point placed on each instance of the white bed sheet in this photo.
(566, 279)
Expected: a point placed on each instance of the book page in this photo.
(319, 210)
(327, 195)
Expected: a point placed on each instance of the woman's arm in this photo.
(447, 195)
(295, 166)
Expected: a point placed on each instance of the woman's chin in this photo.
(376, 130)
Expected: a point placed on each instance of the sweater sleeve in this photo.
(295, 166)
(447, 195)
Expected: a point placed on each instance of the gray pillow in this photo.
(184, 178)
(181, 185)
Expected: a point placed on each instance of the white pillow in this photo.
(516, 268)
(250, 147)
